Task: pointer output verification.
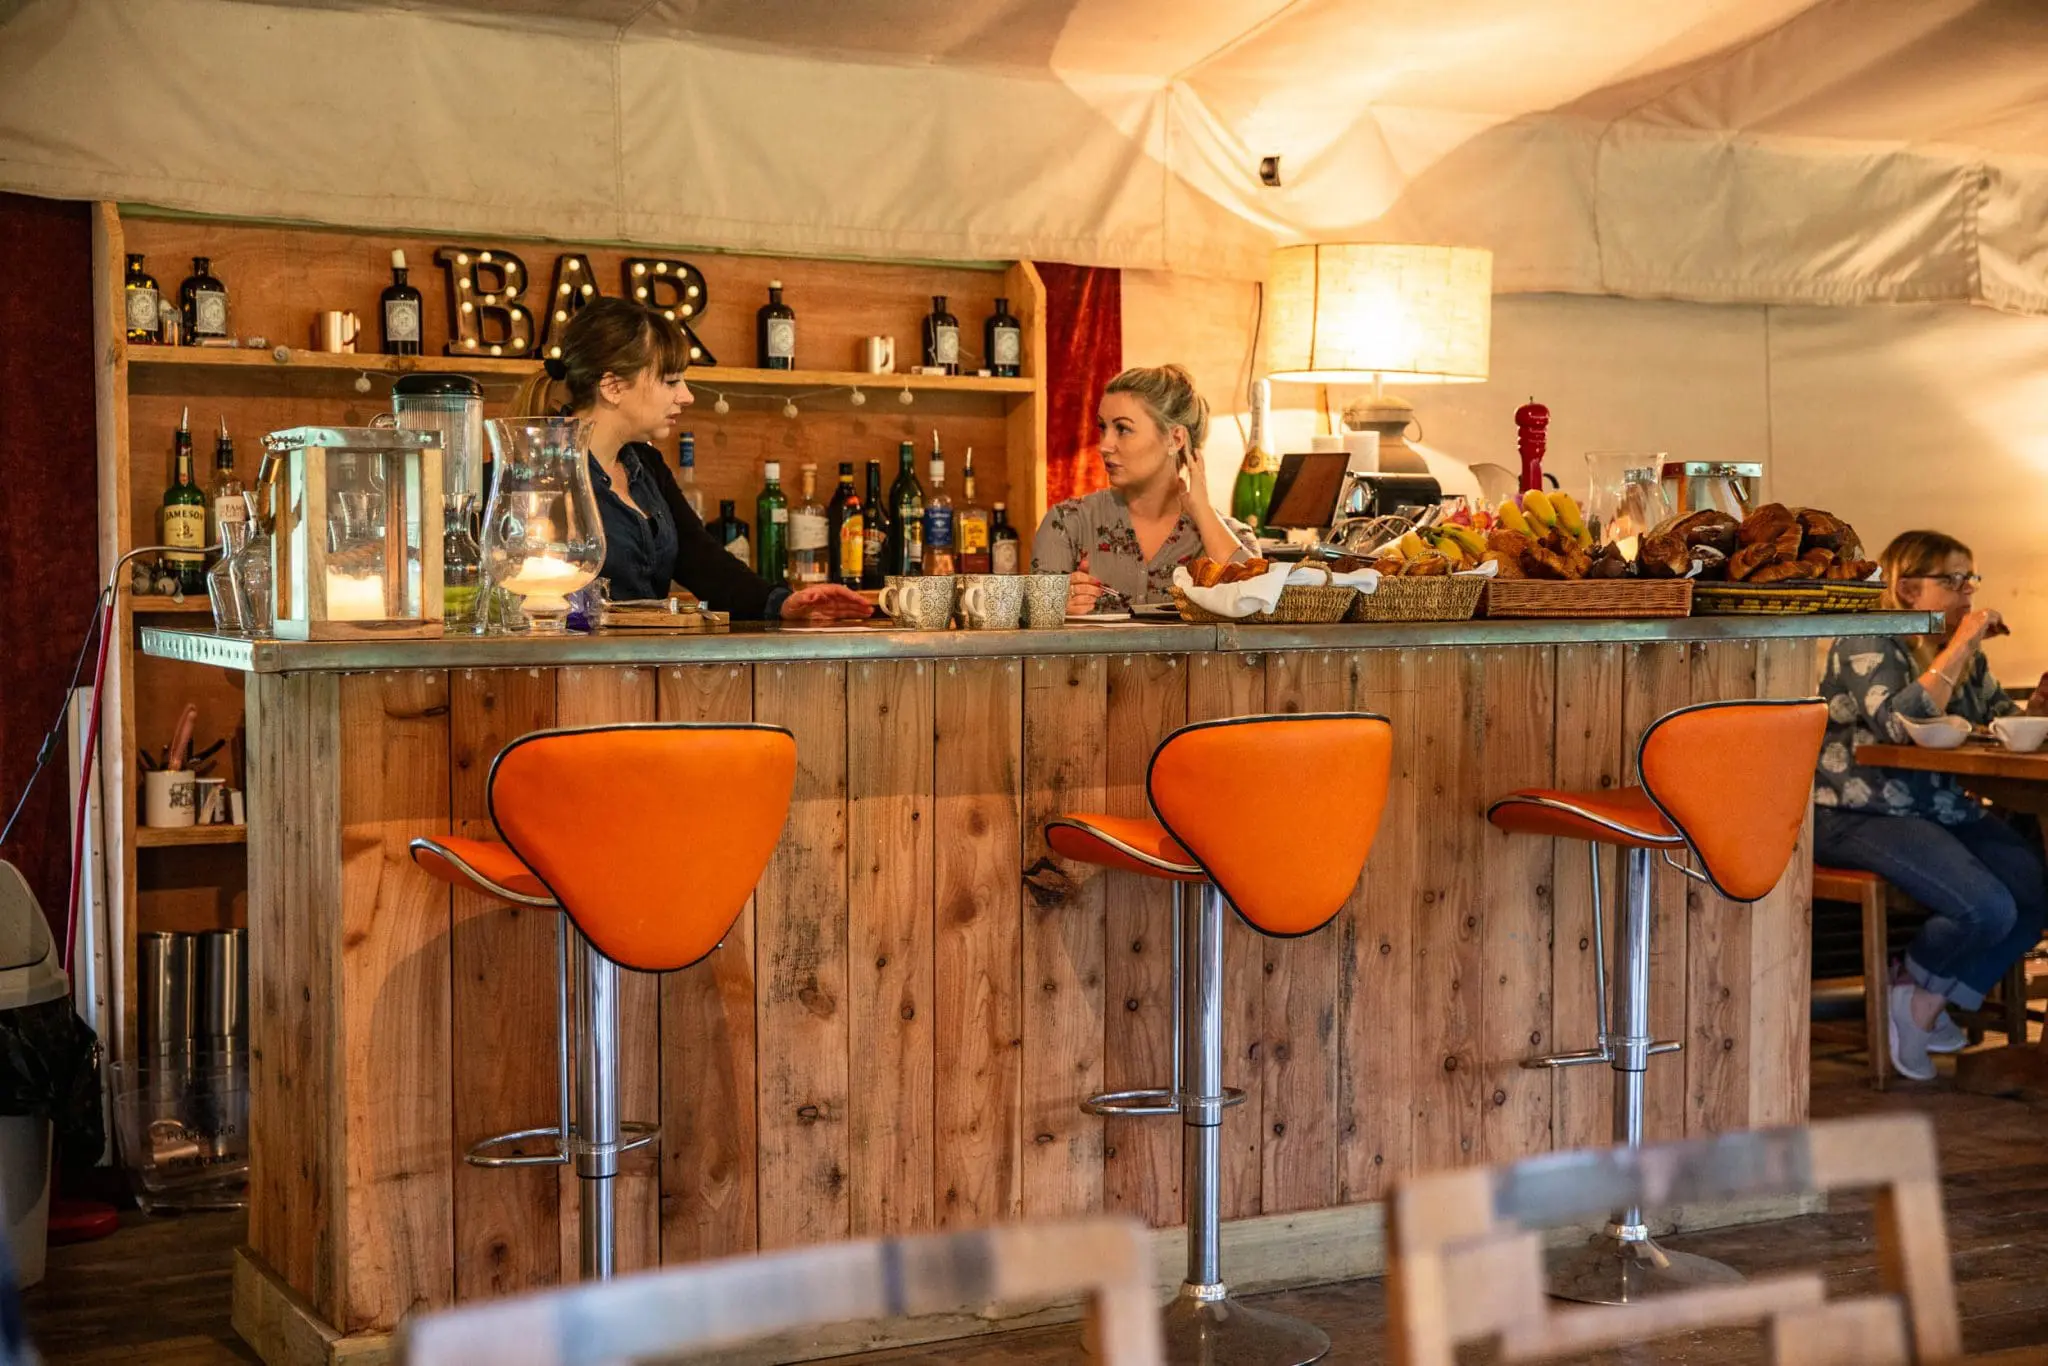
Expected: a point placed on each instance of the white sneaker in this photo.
(1908, 1040)
(1947, 1036)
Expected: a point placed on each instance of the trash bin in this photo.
(36, 1049)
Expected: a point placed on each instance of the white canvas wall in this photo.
(1894, 417)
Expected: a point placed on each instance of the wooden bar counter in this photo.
(895, 1036)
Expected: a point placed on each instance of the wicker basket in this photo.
(1299, 605)
(1788, 599)
(1589, 598)
(1433, 598)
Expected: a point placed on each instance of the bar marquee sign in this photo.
(493, 311)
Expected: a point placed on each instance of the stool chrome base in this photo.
(1211, 1329)
(1607, 1269)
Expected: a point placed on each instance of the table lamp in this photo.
(1357, 312)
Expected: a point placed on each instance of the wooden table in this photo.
(2017, 782)
(896, 1035)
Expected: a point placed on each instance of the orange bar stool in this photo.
(1286, 871)
(588, 818)
(1730, 783)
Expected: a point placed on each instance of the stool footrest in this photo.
(1133, 1104)
(1587, 1057)
(637, 1135)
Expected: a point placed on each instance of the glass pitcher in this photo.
(1626, 495)
(543, 538)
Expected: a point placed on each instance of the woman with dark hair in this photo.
(621, 371)
(1982, 883)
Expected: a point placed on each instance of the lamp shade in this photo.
(1351, 312)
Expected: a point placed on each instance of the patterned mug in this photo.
(918, 603)
(991, 602)
(1045, 600)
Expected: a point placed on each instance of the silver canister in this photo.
(223, 1009)
(166, 1019)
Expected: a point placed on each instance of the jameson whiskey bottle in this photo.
(905, 543)
(1003, 342)
(775, 331)
(771, 523)
(1252, 493)
(808, 561)
(204, 302)
(185, 514)
(138, 292)
(846, 531)
(970, 522)
(874, 555)
(942, 337)
(1005, 551)
(401, 312)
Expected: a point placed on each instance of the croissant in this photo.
(1510, 565)
(1777, 573)
(1541, 562)
(1663, 557)
(1429, 566)
(1852, 569)
(1749, 559)
(1767, 523)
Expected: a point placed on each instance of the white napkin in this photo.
(1262, 594)
(1485, 571)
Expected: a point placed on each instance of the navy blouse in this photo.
(639, 547)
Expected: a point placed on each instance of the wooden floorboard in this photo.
(158, 1290)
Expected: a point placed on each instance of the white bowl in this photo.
(2021, 734)
(1943, 732)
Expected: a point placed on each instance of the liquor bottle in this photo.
(1252, 493)
(204, 302)
(686, 455)
(462, 568)
(139, 294)
(1003, 342)
(401, 312)
(809, 561)
(775, 331)
(906, 515)
(970, 522)
(942, 337)
(939, 557)
(845, 531)
(230, 508)
(771, 522)
(874, 554)
(729, 531)
(185, 515)
(1005, 551)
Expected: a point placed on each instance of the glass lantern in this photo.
(356, 546)
(543, 538)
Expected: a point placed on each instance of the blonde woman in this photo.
(1982, 883)
(1155, 515)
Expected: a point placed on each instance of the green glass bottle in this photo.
(1252, 494)
(185, 515)
(771, 521)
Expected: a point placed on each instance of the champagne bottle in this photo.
(808, 561)
(401, 312)
(204, 302)
(1005, 551)
(970, 522)
(771, 527)
(141, 300)
(874, 557)
(1003, 342)
(185, 514)
(775, 331)
(942, 337)
(1252, 492)
(905, 544)
(846, 530)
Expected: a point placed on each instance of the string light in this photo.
(905, 397)
(721, 407)
(789, 408)
(858, 399)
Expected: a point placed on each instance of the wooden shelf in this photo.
(197, 358)
(180, 836)
(153, 604)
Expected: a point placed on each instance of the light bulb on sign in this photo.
(639, 269)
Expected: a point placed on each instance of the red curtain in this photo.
(49, 515)
(1084, 343)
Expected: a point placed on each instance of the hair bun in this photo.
(557, 370)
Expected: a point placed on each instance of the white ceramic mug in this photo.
(2021, 734)
(169, 798)
(877, 355)
(335, 331)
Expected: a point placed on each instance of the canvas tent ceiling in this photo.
(1730, 150)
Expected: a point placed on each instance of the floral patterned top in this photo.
(1870, 682)
(1098, 525)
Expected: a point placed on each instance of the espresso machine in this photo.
(1731, 486)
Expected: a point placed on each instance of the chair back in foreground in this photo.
(1465, 1248)
(1736, 779)
(1286, 863)
(594, 812)
(714, 1305)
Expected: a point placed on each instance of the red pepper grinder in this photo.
(1531, 420)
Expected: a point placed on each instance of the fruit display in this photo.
(1774, 544)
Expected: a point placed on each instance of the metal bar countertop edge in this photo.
(751, 643)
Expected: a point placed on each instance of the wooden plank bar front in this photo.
(896, 1034)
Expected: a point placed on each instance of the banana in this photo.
(1510, 517)
(1411, 547)
(1466, 539)
(1568, 517)
(1537, 507)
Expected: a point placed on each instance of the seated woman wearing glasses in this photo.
(1982, 883)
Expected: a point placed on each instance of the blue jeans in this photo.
(1983, 885)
